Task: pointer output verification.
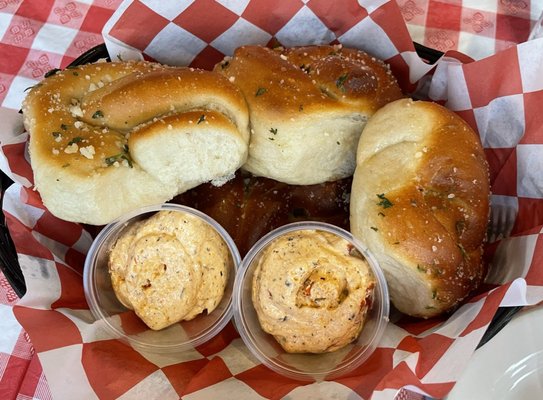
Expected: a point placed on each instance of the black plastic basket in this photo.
(8, 256)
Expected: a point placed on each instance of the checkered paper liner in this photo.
(498, 96)
(39, 35)
(479, 28)
(20, 371)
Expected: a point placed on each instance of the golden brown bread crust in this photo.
(96, 131)
(178, 88)
(307, 106)
(313, 78)
(351, 77)
(52, 115)
(248, 207)
(420, 201)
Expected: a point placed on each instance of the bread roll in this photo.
(307, 106)
(420, 202)
(107, 138)
(248, 207)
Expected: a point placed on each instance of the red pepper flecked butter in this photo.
(312, 291)
(170, 267)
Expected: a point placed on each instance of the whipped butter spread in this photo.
(311, 291)
(170, 267)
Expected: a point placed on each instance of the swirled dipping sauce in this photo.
(312, 291)
(170, 267)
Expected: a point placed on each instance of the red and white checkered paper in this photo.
(39, 35)
(21, 375)
(498, 96)
(479, 28)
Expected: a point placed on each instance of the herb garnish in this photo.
(305, 68)
(63, 127)
(260, 91)
(273, 130)
(76, 139)
(374, 228)
(98, 114)
(385, 203)
(465, 255)
(121, 156)
(117, 157)
(201, 119)
(460, 227)
(340, 82)
(56, 134)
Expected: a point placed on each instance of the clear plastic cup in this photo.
(121, 322)
(307, 366)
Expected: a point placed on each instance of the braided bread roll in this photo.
(420, 202)
(308, 106)
(107, 138)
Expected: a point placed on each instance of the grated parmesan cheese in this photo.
(87, 151)
(71, 149)
(76, 111)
